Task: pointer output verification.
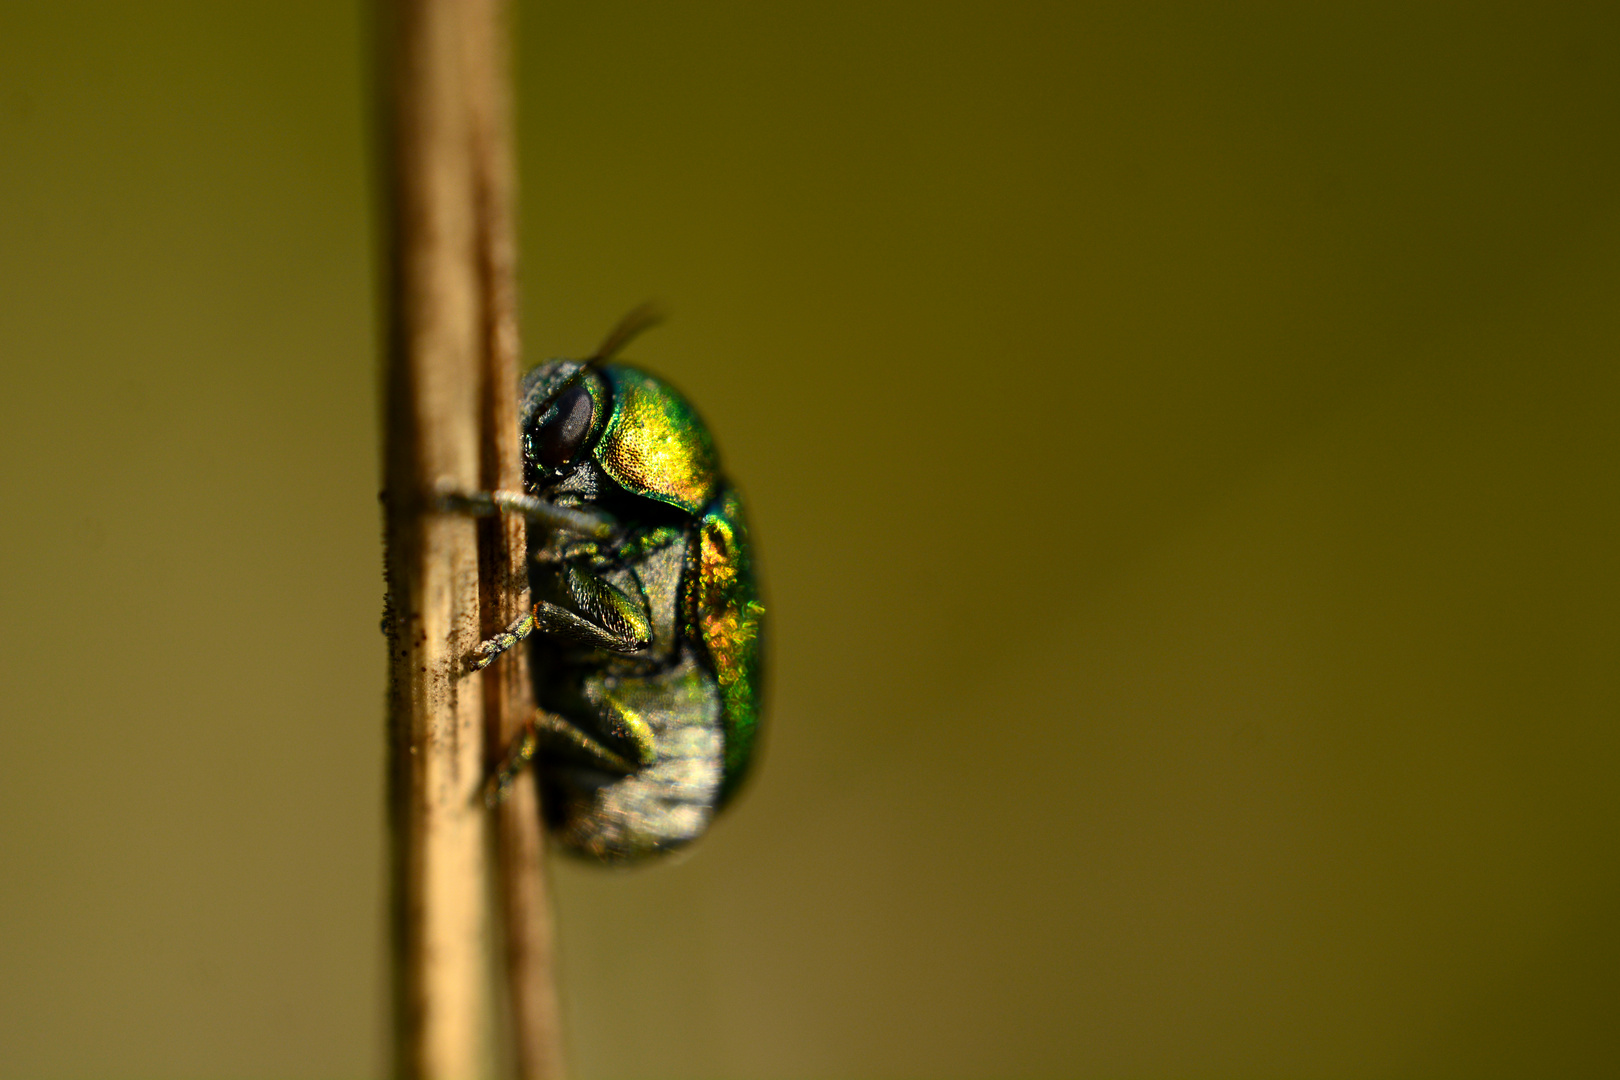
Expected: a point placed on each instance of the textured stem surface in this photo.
(432, 443)
(521, 902)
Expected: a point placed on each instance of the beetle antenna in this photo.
(642, 318)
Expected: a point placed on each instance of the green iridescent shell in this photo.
(655, 445)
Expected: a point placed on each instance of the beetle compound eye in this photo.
(564, 428)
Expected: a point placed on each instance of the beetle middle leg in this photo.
(488, 650)
(593, 613)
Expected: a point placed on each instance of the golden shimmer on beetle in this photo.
(654, 443)
(728, 614)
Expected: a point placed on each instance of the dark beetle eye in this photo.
(565, 426)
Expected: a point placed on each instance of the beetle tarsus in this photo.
(512, 765)
(483, 656)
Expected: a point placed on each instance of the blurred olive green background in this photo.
(1182, 444)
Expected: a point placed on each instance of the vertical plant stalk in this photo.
(452, 423)
(432, 441)
(521, 902)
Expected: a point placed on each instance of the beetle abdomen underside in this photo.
(661, 806)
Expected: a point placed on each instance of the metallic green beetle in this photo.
(645, 645)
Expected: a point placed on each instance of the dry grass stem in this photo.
(521, 903)
(450, 423)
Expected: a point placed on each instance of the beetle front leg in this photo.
(571, 519)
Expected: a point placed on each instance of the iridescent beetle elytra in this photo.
(645, 634)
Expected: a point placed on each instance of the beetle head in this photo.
(590, 426)
(564, 405)
(562, 409)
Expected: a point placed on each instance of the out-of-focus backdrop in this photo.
(1182, 441)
